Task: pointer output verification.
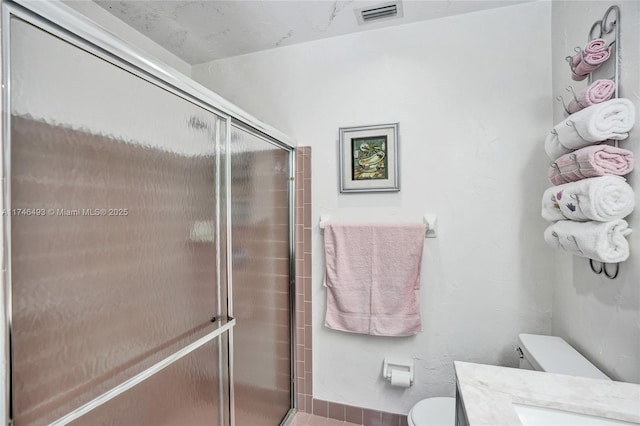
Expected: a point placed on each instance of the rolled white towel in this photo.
(554, 148)
(601, 241)
(601, 199)
(607, 120)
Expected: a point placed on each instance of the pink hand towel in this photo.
(597, 92)
(373, 278)
(592, 161)
(591, 62)
(595, 45)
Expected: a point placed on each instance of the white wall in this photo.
(472, 95)
(598, 316)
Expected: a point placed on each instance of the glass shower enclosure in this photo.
(147, 239)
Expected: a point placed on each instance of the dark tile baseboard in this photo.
(358, 415)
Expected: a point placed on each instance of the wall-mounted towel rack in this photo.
(430, 221)
(609, 24)
(324, 219)
(605, 26)
(603, 268)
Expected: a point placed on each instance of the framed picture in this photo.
(369, 158)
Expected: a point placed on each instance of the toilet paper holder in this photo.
(399, 364)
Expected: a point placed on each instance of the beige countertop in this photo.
(488, 393)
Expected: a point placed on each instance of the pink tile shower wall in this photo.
(304, 374)
(304, 348)
(98, 298)
(260, 267)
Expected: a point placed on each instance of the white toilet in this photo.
(543, 353)
(433, 412)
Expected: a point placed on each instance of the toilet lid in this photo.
(434, 412)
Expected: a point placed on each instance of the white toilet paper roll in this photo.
(400, 378)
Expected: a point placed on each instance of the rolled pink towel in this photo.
(598, 91)
(593, 46)
(591, 62)
(592, 161)
(596, 45)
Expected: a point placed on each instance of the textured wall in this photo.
(472, 94)
(598, 316)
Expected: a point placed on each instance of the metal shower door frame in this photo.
(292, 257)
(72, 27)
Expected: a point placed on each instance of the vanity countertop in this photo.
(488, 393)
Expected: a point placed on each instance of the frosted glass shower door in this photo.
(260, 215)
(114, 243)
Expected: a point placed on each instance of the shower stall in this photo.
(147, 239)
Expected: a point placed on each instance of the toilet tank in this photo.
(553, 355)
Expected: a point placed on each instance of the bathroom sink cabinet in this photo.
(461, 415)
(488, 395)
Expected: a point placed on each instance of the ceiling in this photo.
(201, 31)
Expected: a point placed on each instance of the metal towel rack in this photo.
(609, 24)
(603, 269)
(430, 221)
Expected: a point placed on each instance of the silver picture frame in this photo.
(369, 158)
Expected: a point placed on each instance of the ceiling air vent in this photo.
(379, 12)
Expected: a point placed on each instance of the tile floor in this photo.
(306, 419)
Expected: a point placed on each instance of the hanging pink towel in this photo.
(373, 278)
